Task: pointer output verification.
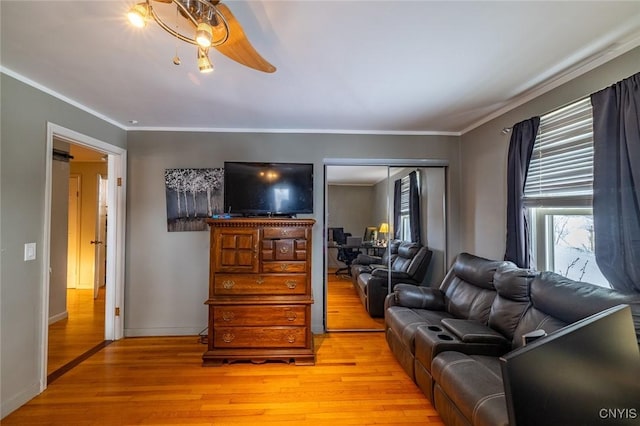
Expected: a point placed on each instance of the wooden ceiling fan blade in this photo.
(238, 47)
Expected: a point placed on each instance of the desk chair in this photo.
(345, 254)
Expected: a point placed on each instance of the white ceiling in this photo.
(343, 66)
(356, 175)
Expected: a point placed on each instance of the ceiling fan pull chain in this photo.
(176, 58)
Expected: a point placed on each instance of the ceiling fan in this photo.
(211, 24)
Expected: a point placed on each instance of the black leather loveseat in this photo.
(370, 274)
(449, 338)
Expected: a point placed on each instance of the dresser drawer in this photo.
(278, 233)
(259, 284)
(272, 315)
(283, 267)
(260, 337)
(284, 250)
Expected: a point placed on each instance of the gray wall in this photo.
(434, 226)
(24, 114)
(58, 238)
(484, 157)
(350, 207)
(167, 273)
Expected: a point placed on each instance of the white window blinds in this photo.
(561, 167)
(404, 196)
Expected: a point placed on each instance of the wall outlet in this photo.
(29, 251)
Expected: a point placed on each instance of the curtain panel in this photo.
(616, 182)
(523, 136)
(414, 208)
(397, 201)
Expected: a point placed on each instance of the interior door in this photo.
(73, 245)
(100, 237)
(355, 200)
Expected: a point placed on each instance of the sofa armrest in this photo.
(396, 276)
(412, 296)
(473, 332)
(365, 259)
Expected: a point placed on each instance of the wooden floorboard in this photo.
(345, 311)
(160, 381)
(80, 332)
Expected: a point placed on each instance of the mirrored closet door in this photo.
(373, 214)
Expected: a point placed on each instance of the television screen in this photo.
(282, 189)
(587, 373)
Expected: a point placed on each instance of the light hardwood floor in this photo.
(356, 381)
(344, 308)
(81, 331)
(160, 381)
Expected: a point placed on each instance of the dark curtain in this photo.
(523, 136)
(414, 207)
(616, 182)
(397, 201)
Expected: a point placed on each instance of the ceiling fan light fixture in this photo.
(204, 64)
(138, 15)
(204, 24)
(204, 34)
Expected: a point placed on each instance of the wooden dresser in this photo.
(260, 291)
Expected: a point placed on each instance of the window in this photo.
(405, 212)
(559, 191)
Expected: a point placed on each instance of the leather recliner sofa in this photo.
(449, 338)
(370, 274)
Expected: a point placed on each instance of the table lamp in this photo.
(384, 229)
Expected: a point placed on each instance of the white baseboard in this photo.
(58, 317)
(11, 404)
(157, 332)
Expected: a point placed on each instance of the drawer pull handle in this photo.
(259, 280)
(291, 316)
(291, 284)
(228, 284)
(228, 316)
(291, 338)
(228, 337)
(284, 250)
(284, 266)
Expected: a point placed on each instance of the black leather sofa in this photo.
(449, 338)
(370, 274)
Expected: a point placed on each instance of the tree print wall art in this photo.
(193, 195)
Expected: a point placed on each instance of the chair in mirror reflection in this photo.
(347, 253)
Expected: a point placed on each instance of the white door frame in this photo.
(100, 237)
(116, 197)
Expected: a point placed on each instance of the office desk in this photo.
(371, 249)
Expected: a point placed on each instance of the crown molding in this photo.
(57, 95)
(292, 131)
(607, 54)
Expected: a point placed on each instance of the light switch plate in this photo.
(29, 251)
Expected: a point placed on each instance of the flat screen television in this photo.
(268, 189)
(587, 373)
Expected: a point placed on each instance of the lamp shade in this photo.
(384, 227)
(138, 15)
(204, 34)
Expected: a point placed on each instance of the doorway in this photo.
(97, 311)
(76, 288)
(359, 200)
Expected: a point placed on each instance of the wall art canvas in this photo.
(193, 195)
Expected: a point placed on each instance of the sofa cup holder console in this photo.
(445, 337)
